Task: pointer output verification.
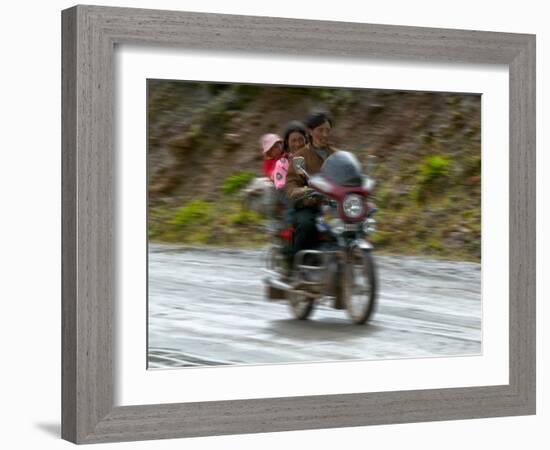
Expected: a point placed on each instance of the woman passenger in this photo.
(294, 138)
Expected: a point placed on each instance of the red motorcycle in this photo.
(341, 268)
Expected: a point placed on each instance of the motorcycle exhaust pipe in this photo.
(278, 284)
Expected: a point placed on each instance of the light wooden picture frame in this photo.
(89, 36)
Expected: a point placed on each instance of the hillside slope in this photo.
(427, 148)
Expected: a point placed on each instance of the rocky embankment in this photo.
(203, 150)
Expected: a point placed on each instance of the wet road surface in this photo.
(207, 307)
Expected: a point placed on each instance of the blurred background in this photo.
(204, 152)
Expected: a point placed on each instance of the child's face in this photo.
(275, 151)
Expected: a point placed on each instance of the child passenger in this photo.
(272, 148)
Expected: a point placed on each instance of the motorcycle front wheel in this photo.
(362, 284)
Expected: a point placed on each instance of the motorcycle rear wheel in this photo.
(361, 300)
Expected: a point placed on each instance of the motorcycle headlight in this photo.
(353, 205)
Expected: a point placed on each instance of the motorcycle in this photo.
(341, 267)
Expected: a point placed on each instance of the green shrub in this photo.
(235, 183)
(196, 212)
(434, 244)
(246, 217)
(433, 168)
(432, 171)
(199, 237)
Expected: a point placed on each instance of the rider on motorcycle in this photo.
(319, 125)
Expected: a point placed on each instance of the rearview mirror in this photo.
(298, 163)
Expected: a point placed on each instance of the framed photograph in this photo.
(268, 222)
(221, 223)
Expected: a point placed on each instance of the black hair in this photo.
(318, 118)
(292, 127)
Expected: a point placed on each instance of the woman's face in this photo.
(296, 140)
(320, 135)
(275, 151)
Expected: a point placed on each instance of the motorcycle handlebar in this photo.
(310, 196)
